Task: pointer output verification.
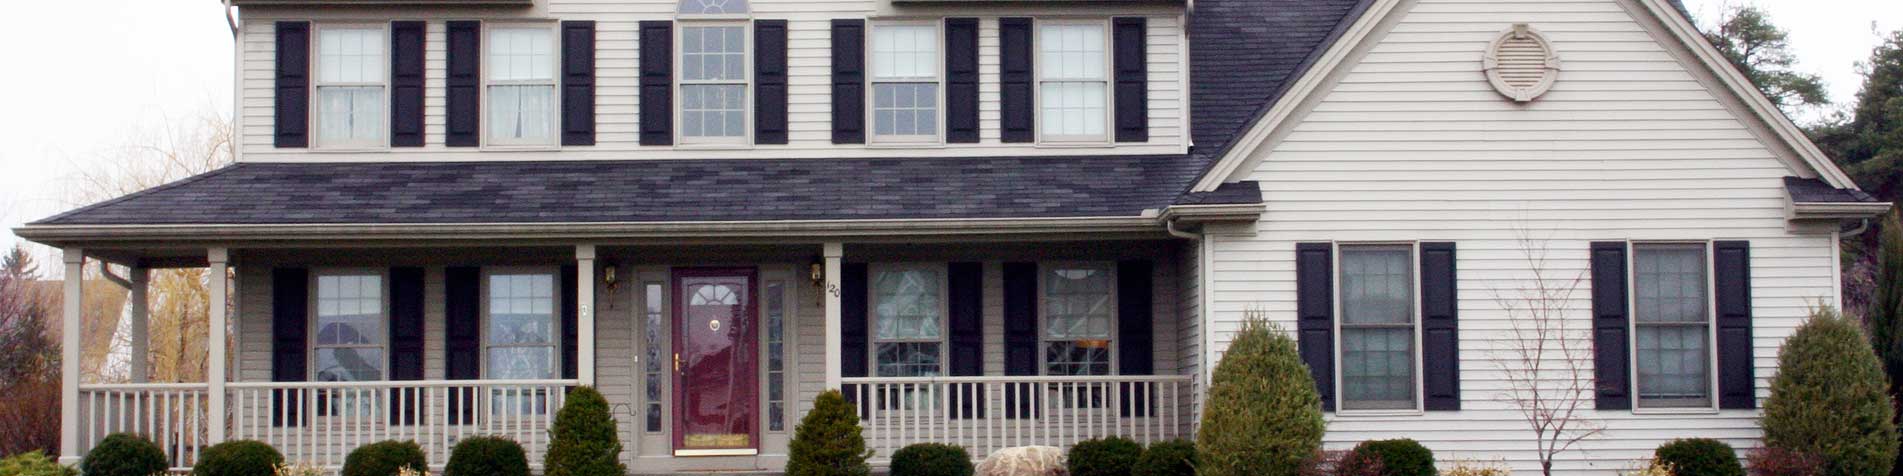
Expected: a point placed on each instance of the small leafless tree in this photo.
(1547, 354)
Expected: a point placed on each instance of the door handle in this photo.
(677, 362)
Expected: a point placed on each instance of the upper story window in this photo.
(521, 82)
(908, 315)
(350, 85)
(711, 7)
(348, 345)
(1079, 319)
(1671, 325)
(713, 84)
(1377, 327)
(905, 78)
(1073, 81)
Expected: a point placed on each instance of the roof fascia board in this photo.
(1835, 210)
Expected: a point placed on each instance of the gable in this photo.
(1637, 79)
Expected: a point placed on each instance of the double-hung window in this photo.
(349, 338)
(713, 83)
(1672, 325)
(905, 76)
(350, 85)
(521, 82)
(1378, 328)
(1079, 319)
(521, 337)
(908, 327)
(1073, 87)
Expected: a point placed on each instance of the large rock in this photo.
(1024, 461)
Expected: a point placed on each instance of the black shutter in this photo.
(657, 82)
(290, 312)
(463, 83)
(406, 83)
(1020, 338)
(570, 322)
(769, 81)
(1315, 315)
(1440, 329)
(293, 104)
(961, 80)
(965, 303)
(406, 340)
(462, 336)
(578, 83)
(1611, 371)
(1016, 117)
(1132, 93)
(1737, 387)
(849, 81)
(1135, 335)
(854, 339)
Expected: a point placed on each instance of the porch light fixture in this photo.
(608, 276)
(817, 272)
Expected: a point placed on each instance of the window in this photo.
(350, 87)
(1377, 328)
(521, 338)
(905, 83)
(348, 345)
(1072, 89)
(713, 84)
(1672, 322)
(656, 327)
(1079, 316)
(776, 355)
(907, 321)
(711, 7)
(521, 82)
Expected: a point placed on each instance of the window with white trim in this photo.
(908, 316)
(654, 341)
(905, 82)
(521, 80)
(713, 83)
(521, 340)
(776, 364)
(1378, 327)
(348, 339)
(1073, 81)
(1079, 319)
(1671, 323)
(351, 80)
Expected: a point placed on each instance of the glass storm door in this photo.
(716, 363)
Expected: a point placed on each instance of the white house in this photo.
(992, 224)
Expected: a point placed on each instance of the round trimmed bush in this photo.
(1113, 456)
(828, 440)
(585, 442)
(1398, 457)
(1167, 458)
(1263, 416)
(487, 456)
(238, 458)
(1830, 399)
(124, 454)
(1699, 457)
(931, 459)
(384, 458)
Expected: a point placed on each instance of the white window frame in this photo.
(555, 82)
(317, 84)
(555, 315)
(663, 345)
(1711, 326)
(944, 311)
(1108, 80)
(787, 280)
(1414, 320)
(937, 80)
(381, 334)
(1045, 275)
(746, 82)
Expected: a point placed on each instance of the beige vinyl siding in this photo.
(1634, 142)
(809, 109)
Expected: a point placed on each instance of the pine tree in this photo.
(1263, 416)
(828, 440)
(1829, 399)
(1761, 50)
(26, 350)
(1885, 312)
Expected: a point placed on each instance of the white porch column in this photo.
(71, 308)
(833, 252)
(141, 280)
(215, 346)
(585, 314)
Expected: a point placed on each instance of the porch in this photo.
(935, 342)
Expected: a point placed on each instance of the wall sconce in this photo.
(817, 272)
(609, 277)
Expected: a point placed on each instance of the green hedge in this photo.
(124, 454)
(931, 459)
(1167, 458)
(385, 458)
(487, 456)
(1113, 456)
(238, 458)
(1699, 457)
(1399, 457)
(1263, 416)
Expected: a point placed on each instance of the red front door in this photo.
(716, 363)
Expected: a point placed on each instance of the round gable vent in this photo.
(1521, 64)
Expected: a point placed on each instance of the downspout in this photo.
(106, 271)
(237, 78)
(1863, 225)
(1205, 297)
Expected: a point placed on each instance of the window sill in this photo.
(713, 146)
(1076, 145)
(348, 149)
(1675, 411)
(905, 145)
(522, 147)
(1370, 414)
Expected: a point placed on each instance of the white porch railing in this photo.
(985, 414)
(320, 422)
(170, 414)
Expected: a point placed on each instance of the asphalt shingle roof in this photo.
(1810, 190)
(1242, 54)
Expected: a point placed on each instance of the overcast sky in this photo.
(70, 96)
